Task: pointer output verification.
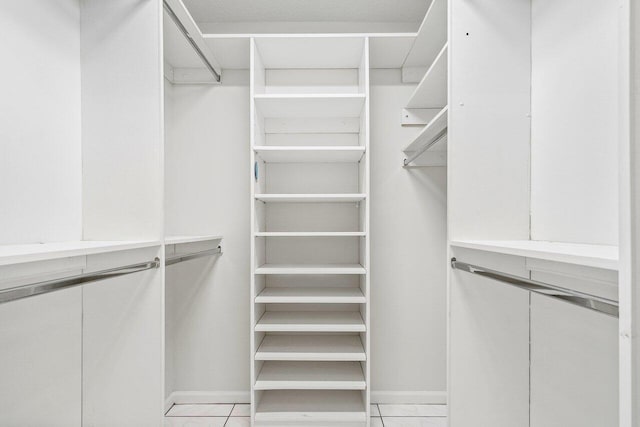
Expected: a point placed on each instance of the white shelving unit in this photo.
(310, 222)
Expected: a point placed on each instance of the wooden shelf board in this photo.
(311, 234)
(289, 375)
(314, 295)
(431, 92)
(176, 240)
(311, 321)
(309, 105)
(311, 348)
(308, 154)
(311, 406)
(311, 198)
(17, 254)
(310, 269)
(432, 35)
(430, 131)
(598, 256)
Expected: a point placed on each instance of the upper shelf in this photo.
(309, 154)
(312, 105)
(176, 240)
(311, 198)
(430, 131)
(17, 254)
(598, 256)
(432, 89)
(310, 52)
(432, 35)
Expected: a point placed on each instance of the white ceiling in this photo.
(223, 11)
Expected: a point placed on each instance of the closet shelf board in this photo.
(432, 35)
(311, 198)
(311, 321)
(311, 234)
(310, 269)
(598, 256)
(284, 375)
(311, 295)
(16, 254)
(432, 89)
(310, 154)
(430, 131)
(176, 240)
(312, 348)
(309, 105)
(290, 406)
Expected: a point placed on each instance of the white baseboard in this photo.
(178, 397)
(409, 397)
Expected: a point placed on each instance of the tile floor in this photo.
(382, 415)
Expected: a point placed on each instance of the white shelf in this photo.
(311, 321)
(314, 295)
(311, 198)
(432, 89)
(431, 36)
(310, 269)
(309, 105)
(283, 375)
(313, 348)
(16, 254)
(598, 256)
(308, 406)
(311, 234)
(308, 154)
(430, 131)
(176, 240)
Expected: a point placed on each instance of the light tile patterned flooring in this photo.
(382, 415)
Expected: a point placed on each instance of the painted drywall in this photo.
(408, 256)
(40, 157)
(574, 125)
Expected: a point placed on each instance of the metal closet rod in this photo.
(192, 42)
(186, 257)
(592, 302)
(439, 137)
(39, 288)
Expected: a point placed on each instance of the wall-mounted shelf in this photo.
(311, 295)
(176, 240)
(300, 406)
(311, 234)
(310, 269)
(431, 36)
(598, 256)
(309, 105)
(430, 131)
(432, 89)
(308, 154)
(311, 198)
(284, 375)
(311, 321)
(311, 348)
(17, 254)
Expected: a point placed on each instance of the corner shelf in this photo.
(432, 89)
(310, 154)
(284, 375)
(597, 256)
(312, 348)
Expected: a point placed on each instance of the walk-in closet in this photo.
(234, 213)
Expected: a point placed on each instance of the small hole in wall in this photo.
(467, 33)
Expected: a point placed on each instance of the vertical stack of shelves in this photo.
(310, 224)
(427, 63)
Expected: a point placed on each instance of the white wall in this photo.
(207, 192)
(574, 127)
(40, 159)
(408, 256)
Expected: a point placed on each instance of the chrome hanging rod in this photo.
(39, 288)
(192, 42)
(186, 257)
(592, 302)
(433, 142)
